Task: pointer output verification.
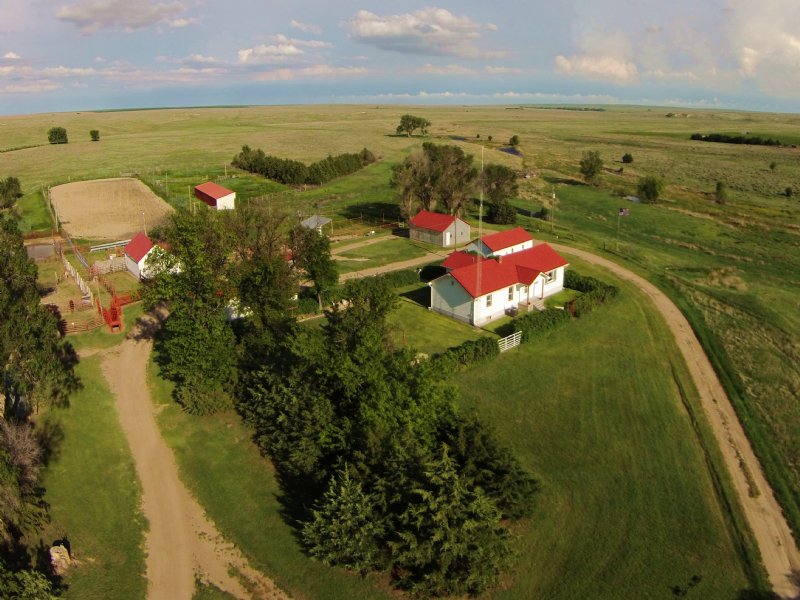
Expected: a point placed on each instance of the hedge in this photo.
(594, 293)
(460, 357)
(535, 324)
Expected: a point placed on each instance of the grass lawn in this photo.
(94, 494)
(628, 507)
(35, 216)
(375, 255)
(237, 488)
(426, 331)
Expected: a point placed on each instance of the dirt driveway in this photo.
(181, 543)
(778, 551)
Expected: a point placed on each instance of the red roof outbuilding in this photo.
(506, 239)
(432, 221)
(209, 192)
(138, 247)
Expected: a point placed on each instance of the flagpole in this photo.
(619, 218)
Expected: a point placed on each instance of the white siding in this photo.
(449, 298)
(500, 302)
(512, 249)
(556, 285)
(227, 202)
(132, 266)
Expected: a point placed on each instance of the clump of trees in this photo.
(514, 141)
(36, 366)
(395, 478)
(650, 188)
(293, 172)
(311, 251)
(724, 138)
(57, 135)
(94, 134)
(10, 191)
(438, 176)
(627, 158)
(500, 183)
(591, 166)
(409, 124)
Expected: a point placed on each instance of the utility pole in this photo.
(553, 211)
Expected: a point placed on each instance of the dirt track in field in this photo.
(779, 552)
(181, 543)
(107, 209)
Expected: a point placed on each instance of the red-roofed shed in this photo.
(136, 254)
(437, 228)
(215, 195)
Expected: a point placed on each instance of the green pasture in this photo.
(375, 255)
(93, 493)
(630, 503)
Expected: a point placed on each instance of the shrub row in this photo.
(535, 324)
(735, 139)
(293, 172)
(458, 358)
(593, 293)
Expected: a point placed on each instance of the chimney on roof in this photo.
(500, 259)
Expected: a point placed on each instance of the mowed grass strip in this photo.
(628, 508)
(237, 488)
(94, 495)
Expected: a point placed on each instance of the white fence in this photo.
(87, 292)
(512, 341)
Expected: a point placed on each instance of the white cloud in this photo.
(29, 87)
(597, 67)
(282, 39)
(11, 56)
(199, 59)
(491, 27)
(92, 15)
(306, 27)
(181, 23)
(268, 53)
(319, 71)
(494, 98)
(446, 70)
(493, 70)
(61, 71)
(432, 31)
(763, 38)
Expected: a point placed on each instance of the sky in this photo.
(63, 55)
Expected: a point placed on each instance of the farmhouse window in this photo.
(510, 293)
(549, 277)
(489, 300)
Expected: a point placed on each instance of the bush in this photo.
(57, 135)
(721, 193)
(627, 158)
(593, 293)
(401, 278)
(650, 188)
(94, 134)
(460, 357)
(590, 166)
(502, 213)
(514, 141)
(788, 192)
(535, 324)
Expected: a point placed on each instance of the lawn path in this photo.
(396, 266)
(182, 543)
(778, 551)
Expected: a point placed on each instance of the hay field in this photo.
(107, 209)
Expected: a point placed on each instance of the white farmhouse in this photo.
(215, 196)
(477, 290)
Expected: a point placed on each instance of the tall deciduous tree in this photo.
(10, 190)
(440, 174)
(36, 363)
(591, 165)
(311, 251)
(650, 188)
(409, 124)
(193, 279)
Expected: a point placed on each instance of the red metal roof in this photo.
(138, 247)
(506, 239)
(459, 259)
(209, 192)
(519, 267)
(432, 221)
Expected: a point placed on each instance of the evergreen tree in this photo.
(312, 253)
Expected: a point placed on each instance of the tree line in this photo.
(36, 367)
(723, 138)
(378, 468)
(294, 172)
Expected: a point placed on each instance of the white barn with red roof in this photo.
(437, 228)
(477, 290)
(215, 195)
(136, 253)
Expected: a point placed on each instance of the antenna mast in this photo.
(480, 228)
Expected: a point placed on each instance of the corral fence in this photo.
(73, 272)
(509, 342)
(66, 326)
